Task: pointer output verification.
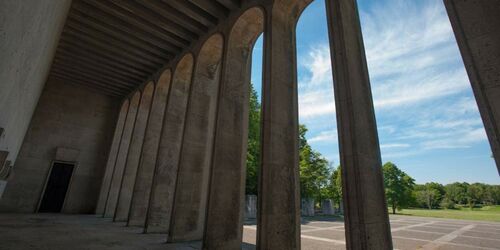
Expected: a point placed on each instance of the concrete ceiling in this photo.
(114, 46)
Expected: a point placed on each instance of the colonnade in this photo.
(177, 160)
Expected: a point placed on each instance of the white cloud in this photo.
(465, 140)
(394, 145)
(316, 87)
(325, 136)
(421, 91)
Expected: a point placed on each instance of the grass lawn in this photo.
(486, 213)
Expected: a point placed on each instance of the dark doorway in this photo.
(57, 186)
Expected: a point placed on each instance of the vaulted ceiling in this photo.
(114, 46)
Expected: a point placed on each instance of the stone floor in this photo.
(61, 232)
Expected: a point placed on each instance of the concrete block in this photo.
(307, 207)
(250, 206)
(327, 207)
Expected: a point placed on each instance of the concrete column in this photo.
(142, 189)
(224, 222)
(162, 193)
(278, 224)
(121, 158)
(110, 165)
(189, 207)
(477, 29)
(366, 219)
(307, 208)
(134, 154)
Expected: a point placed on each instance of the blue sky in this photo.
(427, 118)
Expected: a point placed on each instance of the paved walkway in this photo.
(61, 232)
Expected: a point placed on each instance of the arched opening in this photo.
(144, 179)
(162, 192)
(134, 154)
(121, 158)
(113, 152)
(191, 190)
(227, 184)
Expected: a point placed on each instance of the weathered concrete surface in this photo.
(250, 206)
(367, 221)
(142, 189)
(227, 186)
(477, 29)
(307, 208)
(279, 202)
(28, 39)
(113, 152)
(67, 116)
(121, 158)
(134, 154)
(190, 200)
(162, 193)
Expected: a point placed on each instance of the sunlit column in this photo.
(278, 224)
(477, 28)
(366, 218)
(224, 222)
(189, 207)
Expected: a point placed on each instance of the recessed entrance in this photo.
(56, 188)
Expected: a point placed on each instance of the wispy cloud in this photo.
(421, 91)
(329, 136)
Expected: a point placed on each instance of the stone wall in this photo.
(29, 34)
(75, 124)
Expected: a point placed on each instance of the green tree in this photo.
(335, 185)
(253, 151)
(457, 192)
(398, 186)
(429, 195)
(475, 194)
(314, 169)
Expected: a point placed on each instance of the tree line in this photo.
(319, 180)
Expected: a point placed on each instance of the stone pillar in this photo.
(307, 208)
(366, 218)
(278, 225)
(121, 158)
(189, 207)
(250, 206)
(110, 165)
(134, 154)
(142, 189)
(327, 207)
(224, 222)
(162, 193)
(476, 25)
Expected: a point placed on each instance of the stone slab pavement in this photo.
(62, 232)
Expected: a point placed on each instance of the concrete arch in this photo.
(121, 158)
(110, 165)
(279, 170)
(134, 154)
(162, 191)
(189, 207)
(227, 185)
(142, 188)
